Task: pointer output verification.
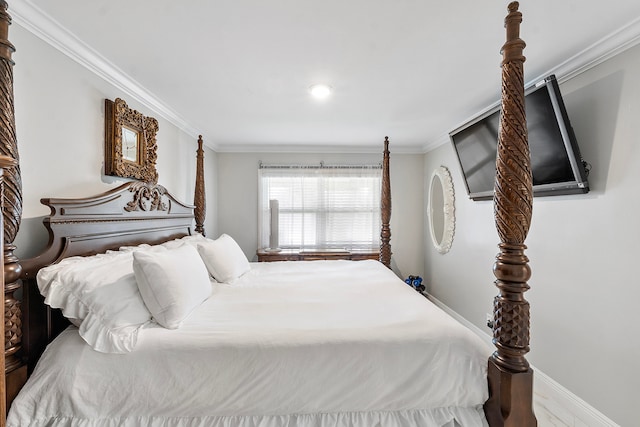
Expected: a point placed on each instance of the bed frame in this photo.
(138, 212)
(133, 213)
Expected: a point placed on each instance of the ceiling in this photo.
(238, 71)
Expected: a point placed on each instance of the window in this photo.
(320, 206)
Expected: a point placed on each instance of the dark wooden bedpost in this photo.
(510, 376)
(385, 207)
(199, 197)
(11, 213)
(5, 162)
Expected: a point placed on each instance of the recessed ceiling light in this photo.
(320, 91)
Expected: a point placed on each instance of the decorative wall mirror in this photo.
(130, 142)
(441, 210)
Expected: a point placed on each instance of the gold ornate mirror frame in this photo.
(130, 142)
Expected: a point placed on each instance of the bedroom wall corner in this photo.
(59, 109)
(585, 328)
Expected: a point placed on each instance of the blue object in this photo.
(415, 282)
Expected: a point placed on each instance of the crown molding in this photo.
(317, 149)
(40, 24)
(441, 140)
(604, 49)
(34, 20)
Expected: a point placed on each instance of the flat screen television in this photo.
(556, 163)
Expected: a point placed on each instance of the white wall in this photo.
(238, 199)
(585, 327)
(59, 108)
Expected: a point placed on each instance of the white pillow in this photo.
(172, 283)
(224, 259)
(192, 240)
(143, 246)
(116, 315)
(99, 295)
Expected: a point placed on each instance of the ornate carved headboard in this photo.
(130, 214)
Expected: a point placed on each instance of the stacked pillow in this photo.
(224, 259)
(172, 283)
(111, 296)
(99, 294)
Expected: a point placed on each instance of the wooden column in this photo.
(510, 377)
(11, 213)
(199, 197)
(385, 208)
(5, 163)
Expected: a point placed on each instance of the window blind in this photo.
(321, 206)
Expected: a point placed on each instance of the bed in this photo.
(315, 343)
(286, 344)
(305, 343)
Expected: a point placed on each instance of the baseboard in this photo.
(554, 405)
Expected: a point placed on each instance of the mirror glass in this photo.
(441, 209)
(129, 144)
(437, 209)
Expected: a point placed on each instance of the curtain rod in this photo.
(321, 165)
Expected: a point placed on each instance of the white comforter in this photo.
(306, 344)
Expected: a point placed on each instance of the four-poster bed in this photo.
(138, 213)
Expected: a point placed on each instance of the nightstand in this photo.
(265, 255)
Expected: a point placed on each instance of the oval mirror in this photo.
(440, 211)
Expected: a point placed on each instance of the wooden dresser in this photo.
(265, 255)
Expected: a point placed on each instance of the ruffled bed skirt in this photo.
(440, 417)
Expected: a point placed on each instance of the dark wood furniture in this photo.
(385, 208)
(125, 216)
(5, 163)
(265, 255)
(199, 196)
(14, 373)
(510, 401)
(133, 213)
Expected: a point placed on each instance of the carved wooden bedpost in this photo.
(385, 206)
(510, 376)
(11, 203)
(199, 197)
(5, 162)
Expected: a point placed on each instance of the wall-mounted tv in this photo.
(556, 163)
